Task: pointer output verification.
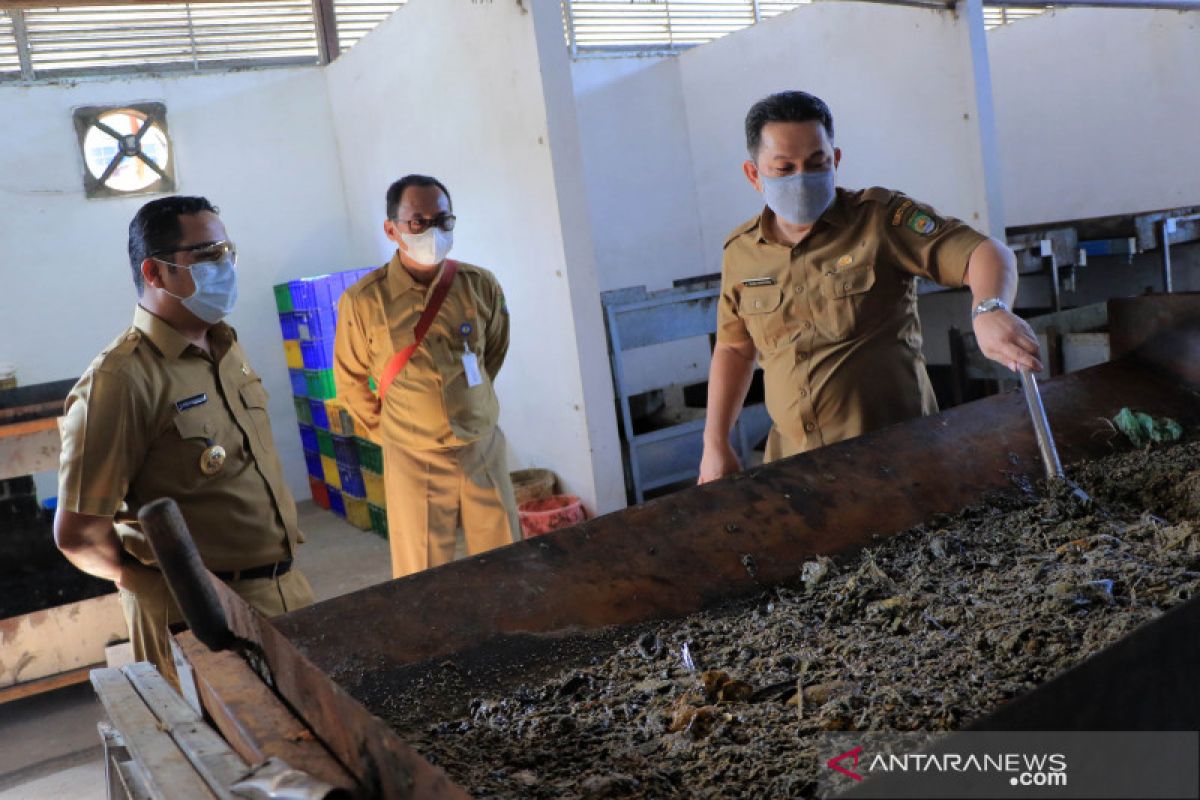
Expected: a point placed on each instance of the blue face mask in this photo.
(216, 290)
(800, 198)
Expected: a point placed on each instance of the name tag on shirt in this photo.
(191, 402)
(759, 282)
(471, 368)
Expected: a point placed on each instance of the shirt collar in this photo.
(170, 342)
(836, 216)
(399, 281)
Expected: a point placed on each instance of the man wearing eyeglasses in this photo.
(436, 412)
(173, 409)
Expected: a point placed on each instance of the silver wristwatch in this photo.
(991, 304)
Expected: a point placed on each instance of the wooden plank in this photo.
(36, 411)
(60, 639)
(254, 721)
(208, 753)
(47, 684)
(167, 773)
(29, 447)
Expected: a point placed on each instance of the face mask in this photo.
(799, 198)
(430, 247)
(216, 290)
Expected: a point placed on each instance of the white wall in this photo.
(896, 78)
(259, 144)
(479, 96)
(1098, 112)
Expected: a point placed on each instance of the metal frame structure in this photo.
(634, 319)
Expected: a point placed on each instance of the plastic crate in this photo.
(357, 512)
(378, 519)
(299, 382)
(376, 489)
(303, 410)
(325, 444)
(316, 469)
(316, 323)
(283, 298)
(308, 438)
(293, 355)
(303, 298)
(320, 492)
(316, 353)
(316, 410)
(351, 480)
(339, 419)
(289, 326)
(329, 468)
(320, 385)
(336, 504)
(370, 455)
(346, 452)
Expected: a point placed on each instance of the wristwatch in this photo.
(991, 304)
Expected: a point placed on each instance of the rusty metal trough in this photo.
(691, 550)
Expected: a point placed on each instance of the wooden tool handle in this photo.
(190, 582)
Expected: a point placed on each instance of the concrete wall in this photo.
(482, 99)
(259, 144)
(1097, 112)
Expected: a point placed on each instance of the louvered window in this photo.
(357, 18)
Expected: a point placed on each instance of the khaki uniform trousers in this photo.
(150, 610)
(430, 493)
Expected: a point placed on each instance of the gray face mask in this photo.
(800, 198)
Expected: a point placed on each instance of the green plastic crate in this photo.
(325, 440)
(370, 455)
(320, 383)
(303, 410)
(378, 519)
(283, 298)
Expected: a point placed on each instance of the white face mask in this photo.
(430, 247)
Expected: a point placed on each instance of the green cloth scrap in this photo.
(1140, 428)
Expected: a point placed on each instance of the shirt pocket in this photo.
(847, 293)
(254, 398)
(198, 430)
(761, 308)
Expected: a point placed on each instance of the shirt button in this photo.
(758, 303)
(799, 289)
(807, 325)
(804, 392)
(845, 287)
(802, 355)
(808, 426)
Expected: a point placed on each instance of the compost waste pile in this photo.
(927, 630)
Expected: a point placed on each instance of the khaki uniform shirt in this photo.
(834, 319)
(137, 424)
(430, 405)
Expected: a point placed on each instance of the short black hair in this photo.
(395, 192)
(155, 229)
(793, 106)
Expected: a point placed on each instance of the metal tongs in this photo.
(1045, 439)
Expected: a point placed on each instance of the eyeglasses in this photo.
(420, 224)
(204, 253)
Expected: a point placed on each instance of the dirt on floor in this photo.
(927, 630)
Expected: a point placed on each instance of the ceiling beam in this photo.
(35, 4)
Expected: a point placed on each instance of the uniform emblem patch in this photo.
(899, 215)
(922, 223)
(845, 261)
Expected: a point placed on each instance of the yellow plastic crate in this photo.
(333, 410)
(376, 493)
(329, 466)
(357, 512)
(291, 350)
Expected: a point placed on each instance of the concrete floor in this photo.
(49, 747)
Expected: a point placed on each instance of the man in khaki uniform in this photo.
(445, 460)
(821, 285)
(173, 409)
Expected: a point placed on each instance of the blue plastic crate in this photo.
(352, 480)
(336, 504)
(303, 298)
(308, 438)
(317, 353)
(345, 450)
(299, 382)
(319, 414)
(287, 325)
(318, 323)
(326, 290)
(312, 459)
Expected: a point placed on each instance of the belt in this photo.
(275, 570)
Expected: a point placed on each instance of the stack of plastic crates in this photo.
(308, 319)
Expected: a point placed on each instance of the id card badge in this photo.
(471, 368)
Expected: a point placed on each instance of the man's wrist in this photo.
(987, 306)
